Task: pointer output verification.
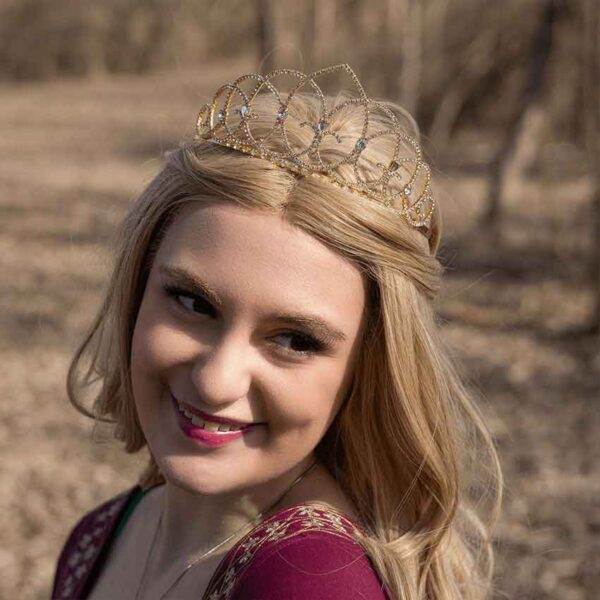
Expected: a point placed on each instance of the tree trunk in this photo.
(531, 95)
(410, 76)
(590, 14)
(266, 35)
(309, 36)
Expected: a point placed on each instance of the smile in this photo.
(207, 433)
(208, 425)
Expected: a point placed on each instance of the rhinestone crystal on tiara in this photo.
(402, 183)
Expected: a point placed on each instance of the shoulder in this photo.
(84, 543)
(311, 565)
(304, 552)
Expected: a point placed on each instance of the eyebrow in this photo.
(195, 284)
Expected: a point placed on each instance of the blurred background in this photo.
(507, 96)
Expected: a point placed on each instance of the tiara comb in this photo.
(401, 182)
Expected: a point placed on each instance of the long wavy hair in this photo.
(409, 444)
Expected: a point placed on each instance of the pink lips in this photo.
(207, 438)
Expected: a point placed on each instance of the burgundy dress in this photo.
(301, 552)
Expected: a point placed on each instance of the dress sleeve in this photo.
(314, 565)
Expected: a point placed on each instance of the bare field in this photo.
(75, 154)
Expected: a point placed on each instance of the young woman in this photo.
(269, 334)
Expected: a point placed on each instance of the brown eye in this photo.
(305, 345)
(188, 301)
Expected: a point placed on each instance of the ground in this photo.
(75, 154)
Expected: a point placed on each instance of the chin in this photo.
(185, 473)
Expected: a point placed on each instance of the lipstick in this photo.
(212, 439)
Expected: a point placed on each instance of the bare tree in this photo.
(591, 96)
(411, 39)
(401, 45)
(266, 34)
(325, 37)
(309, 35)
(476, 63)
(530, 97)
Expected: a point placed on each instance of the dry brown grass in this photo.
(74, 155)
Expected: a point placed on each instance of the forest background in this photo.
(506, 94)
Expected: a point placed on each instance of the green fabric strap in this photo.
(139, 494)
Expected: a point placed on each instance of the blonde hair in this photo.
(409, 446)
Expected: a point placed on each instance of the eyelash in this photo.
(315, 345)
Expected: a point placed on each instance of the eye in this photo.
(309, 345)
(302, 344)
(187, 300)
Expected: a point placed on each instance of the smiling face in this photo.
(225, 345)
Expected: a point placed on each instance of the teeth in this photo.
(198, 422)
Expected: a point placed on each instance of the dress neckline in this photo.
(92, 540)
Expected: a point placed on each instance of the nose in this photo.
(221, 373)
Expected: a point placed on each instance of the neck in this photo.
(192, 524)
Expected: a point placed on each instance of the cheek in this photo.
(144, 364)
(307, 406)
(155, 343)
(151, 347)
(144, 349)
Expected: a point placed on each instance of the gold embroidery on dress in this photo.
(310, 518)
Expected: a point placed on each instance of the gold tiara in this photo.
(402, 183)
